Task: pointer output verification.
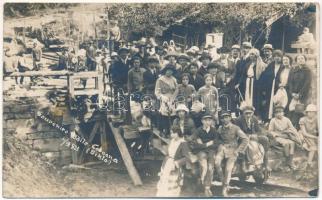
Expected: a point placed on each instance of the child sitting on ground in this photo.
(309, 132)
(284, 133)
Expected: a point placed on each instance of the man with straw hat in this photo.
(268, 53)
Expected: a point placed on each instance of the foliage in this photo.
(27, 9)
(153, 18)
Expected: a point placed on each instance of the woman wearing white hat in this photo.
(183, 121)
(309, 130)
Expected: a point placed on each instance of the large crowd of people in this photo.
(209, 105)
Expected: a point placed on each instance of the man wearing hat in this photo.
(63, 60)
(241, 63)
(171, 57)
(234, 142)
(268, 53)
(193, 54)
(269, 84)
(218, 76)
(232, 61)
(119, 70)
(206, 144)
(184, 61)
(248, 123)
(142, 54)
(205, 60)
(90, 55)
(150, 76)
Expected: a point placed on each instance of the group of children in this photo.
(207, 147)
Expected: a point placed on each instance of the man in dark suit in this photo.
(205, 60)
(241, 63)
(239, 68)
(150, 76)
(195, 78)
(269, 83)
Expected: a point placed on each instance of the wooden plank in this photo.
(93, 132)
(103, 137)
(125, 155)
(70, 86)
(86, 92)
(100, 88)
(89, 74)
(41, 73)
(157, 133)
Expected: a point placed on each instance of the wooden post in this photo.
(125, 155)
(104, 144)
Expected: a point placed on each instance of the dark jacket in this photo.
(202, 71)
(265, 84)
(205, 137)
(149, 80)
(189, 127)
(243, 125)
(197, 82)
(119, 72)
(240, 65)
(299, 82)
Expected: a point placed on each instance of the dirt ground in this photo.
(27, 173)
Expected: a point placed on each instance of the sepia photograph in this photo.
(160, 100)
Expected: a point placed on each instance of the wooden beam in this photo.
(90, 74)
(104, 144)
(125, 155)
(40, 73)
(93, 132)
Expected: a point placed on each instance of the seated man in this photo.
(229, 134)
(248, 123)
(207, 141)
(284, 133)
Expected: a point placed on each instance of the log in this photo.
(125, 155)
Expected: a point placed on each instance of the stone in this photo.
(15, 123)
(25, 115)
(48, 145)
(8, 116)
(22, 108)
(45, 135)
